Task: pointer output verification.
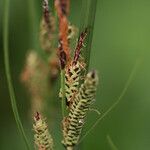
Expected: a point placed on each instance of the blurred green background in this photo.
(121, 37)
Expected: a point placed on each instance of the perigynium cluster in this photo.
(73, 123)
(42, 137)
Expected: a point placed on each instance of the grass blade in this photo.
(7, 71)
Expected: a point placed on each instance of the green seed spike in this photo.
(113, 106)
(73, 123)
(43, 139)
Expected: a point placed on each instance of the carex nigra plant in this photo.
(78, 86)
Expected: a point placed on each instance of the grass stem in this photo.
(88, 12)
(111, 143)
(63, 93)
(8, 74)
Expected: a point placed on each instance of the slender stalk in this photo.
(8, 74)
(111, 143)
(63, 105)
(134, 70)
(88, 12)
(91, 21)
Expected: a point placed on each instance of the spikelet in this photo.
(73, 72)
(72, 78)
(73, 123)
(62, 9)
(43, 140)
(35, 77)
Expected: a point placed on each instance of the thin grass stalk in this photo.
(8, 74)
(63, 104)
(91, 21)
(88, 12)
(111, 143)
(113, 106)
(84, 11)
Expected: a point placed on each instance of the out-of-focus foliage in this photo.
(121, 36)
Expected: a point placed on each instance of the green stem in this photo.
(88, 12)
(91, 21)
(116, 103)
(8, 74)
(63, 93)
(111, 143)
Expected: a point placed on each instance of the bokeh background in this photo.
(121, 37)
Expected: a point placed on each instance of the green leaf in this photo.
(8, 74)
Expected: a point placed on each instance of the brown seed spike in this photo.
(65, 6)
(62, 55)
(63, 59)
(63, 28)
(79, 46)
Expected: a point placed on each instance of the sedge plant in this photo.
(78, 86)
